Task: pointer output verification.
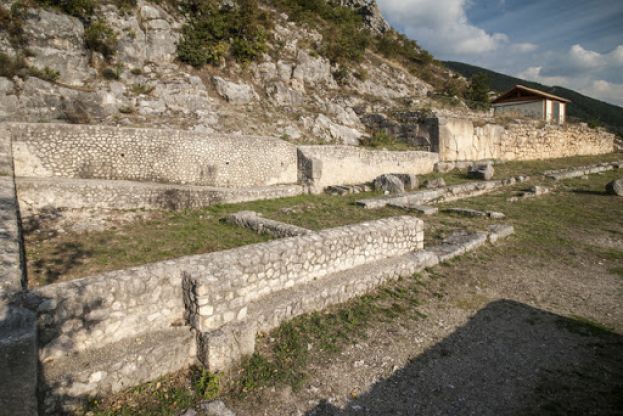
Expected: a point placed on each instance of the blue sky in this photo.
(573, 43)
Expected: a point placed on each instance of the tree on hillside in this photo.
(478, 91)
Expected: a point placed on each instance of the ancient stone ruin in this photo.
(104, 333)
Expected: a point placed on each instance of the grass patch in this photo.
(618, 271)
(543, 225)
(167, 396)
(537, 167)
(284, 354)
(382, 140)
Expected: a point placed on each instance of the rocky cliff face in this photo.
(370, 12)
(290, 92)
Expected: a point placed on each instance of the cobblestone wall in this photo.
(221, 285)
(104, 333)
(323, 166)
(167, 156)
(460, 140)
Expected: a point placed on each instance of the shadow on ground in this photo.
(509, 359)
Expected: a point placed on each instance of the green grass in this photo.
(167, 396)
(543, 221)
(531, 168)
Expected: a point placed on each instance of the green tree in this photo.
(478, 91)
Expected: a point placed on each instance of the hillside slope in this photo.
(582, 107)
(300, 70)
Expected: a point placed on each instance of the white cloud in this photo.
(441, 25)
(524, 47)
(585, 59)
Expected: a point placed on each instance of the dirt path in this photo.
(506, 332)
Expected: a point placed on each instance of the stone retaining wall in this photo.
(323, 166)
(461, 140)
(221, 285)
(37, 194)
(151, 155)
(104, 333)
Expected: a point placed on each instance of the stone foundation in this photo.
(462, 140)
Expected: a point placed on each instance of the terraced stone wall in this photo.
(462, 140)
(104, 333)
(151, 155)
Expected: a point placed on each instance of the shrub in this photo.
(82, 9)
(345, 37)
(382, 139)
(207, 385)
(12, 21)
(10, 67)
(478, 92)
(126, 109)
(113, 73)
(125, 5)
(100, 37)
(341, 75)
(214, 33)
(361, 74)
(142, 89)
(46, 73)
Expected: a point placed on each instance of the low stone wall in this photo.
(254, 221)
(101, 334)
(561, 174)
(443, 194)
(221, 285)
(151, 155)
(461, 140)
(323, 166)
(37, 194)
(18, 335)
(104, 333)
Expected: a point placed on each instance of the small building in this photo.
(532, 103)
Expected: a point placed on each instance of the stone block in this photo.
(615, 187)
(389, 184)
(499, 231)
(483, 172)
(219, 350)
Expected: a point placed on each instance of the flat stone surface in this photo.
(465, 212)
(499, 231)
(422, 209)
(481, 171)
(254, 221)
(36, 194)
